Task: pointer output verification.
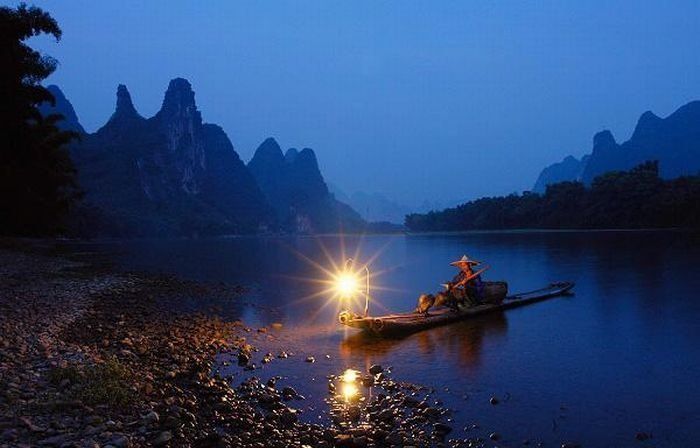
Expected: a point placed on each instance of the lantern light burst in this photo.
(344, 285)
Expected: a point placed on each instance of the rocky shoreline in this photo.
(90, 357)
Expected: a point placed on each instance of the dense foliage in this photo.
(638, 198)
(37, 177)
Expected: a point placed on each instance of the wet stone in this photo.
(343, 440)
(9, 435)
(289, 392)
(150, 418)
(162, 438)
(243, 359)
(376, 369)
(119, 441)
(442, 428)
(288, 417)
(354, 412)
(394, 438)
(360, 442)
(56, 440)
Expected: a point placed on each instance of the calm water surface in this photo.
(620, 356)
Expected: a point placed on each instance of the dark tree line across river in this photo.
(637, 198)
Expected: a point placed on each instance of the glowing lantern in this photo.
(347, 283)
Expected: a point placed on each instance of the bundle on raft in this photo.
(494, 298)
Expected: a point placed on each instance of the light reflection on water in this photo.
(619, 357)
(350, 392)
(349, 388)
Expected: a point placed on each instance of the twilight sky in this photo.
(416, 100)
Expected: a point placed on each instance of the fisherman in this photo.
(467, 283)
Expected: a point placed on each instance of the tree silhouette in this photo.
(37, 177)
(637, 198)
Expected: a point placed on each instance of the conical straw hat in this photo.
(463, 260)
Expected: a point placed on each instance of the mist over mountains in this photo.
(373, 206)
(173, 174)
(377, 207)
(674, 141)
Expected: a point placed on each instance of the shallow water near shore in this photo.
(619, 357)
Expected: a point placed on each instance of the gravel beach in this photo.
(92, 357)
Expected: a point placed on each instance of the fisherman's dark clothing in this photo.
(475, 289)
(459, 277)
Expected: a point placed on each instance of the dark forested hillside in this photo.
(170, 174)
(638, 198)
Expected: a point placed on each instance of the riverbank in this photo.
(90, 356)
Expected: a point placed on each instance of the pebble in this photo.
(243, 359)
(56, 440)
(376, 369)
(93, 420)
(289, 392)
(442, 428)
(119, 441)
(162, 438)
(150, 418)
(343, 440)
(10, 435)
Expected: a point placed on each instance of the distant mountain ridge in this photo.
(674, 141)
(570, 168)
(294, 187)
(70, 120)
(374, 207)
(632, 199)
(173, 174)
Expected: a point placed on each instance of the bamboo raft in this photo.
(406, 323)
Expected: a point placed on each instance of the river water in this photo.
(619, 357)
